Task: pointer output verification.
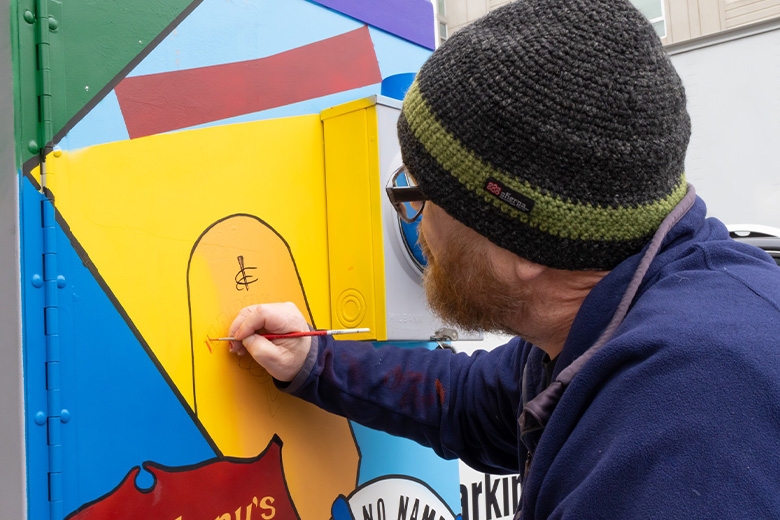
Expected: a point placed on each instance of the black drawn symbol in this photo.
(243, 278)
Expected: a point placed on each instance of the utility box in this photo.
(161, 167)
(361, 153)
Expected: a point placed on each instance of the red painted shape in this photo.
(227, 488)
(168, 101)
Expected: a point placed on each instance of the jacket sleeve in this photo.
(463, 406)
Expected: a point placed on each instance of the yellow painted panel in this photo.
(237, 262)
(354, 219)
(346, 108)
(164, 219)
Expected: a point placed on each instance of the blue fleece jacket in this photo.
(676, 416)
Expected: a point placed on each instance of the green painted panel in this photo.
(93, 44)
(25, 66)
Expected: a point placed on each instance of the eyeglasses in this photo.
(406, 197)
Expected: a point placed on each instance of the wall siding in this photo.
(685, 19)
(742, 12)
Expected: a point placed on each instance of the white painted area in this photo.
(398, 498)
(488, 497)
(485, 496)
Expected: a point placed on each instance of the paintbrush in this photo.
(300, 334)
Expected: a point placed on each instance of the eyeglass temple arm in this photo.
(405, 193)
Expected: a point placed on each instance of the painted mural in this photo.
(184, 178)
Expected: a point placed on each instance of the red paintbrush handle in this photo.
(296, 334)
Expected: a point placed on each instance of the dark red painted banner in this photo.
(168, 101)
(229, 489)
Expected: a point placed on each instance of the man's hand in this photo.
(282, 358)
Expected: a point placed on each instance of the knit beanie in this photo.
(555, 128)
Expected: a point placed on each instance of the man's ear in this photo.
(525, 270)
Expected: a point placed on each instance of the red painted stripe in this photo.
(163, 102)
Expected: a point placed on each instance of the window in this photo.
(441, 18)
(442, 32)
(654, 11)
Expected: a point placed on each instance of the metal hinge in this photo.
(44, 24)
(55, 414)
(444, 336)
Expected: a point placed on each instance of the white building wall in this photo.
(732, 81)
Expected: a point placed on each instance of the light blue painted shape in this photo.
(396, 56)
(220, 31)
(103, 124)
(93, 131)
(382, 454)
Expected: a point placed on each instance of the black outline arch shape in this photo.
(189, 303)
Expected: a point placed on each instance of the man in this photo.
(547, 140)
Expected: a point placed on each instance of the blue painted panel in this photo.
(34, 350)
(122, 411)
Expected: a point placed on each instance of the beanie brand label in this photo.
(510, 196)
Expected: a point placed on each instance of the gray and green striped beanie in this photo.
(555, 128)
